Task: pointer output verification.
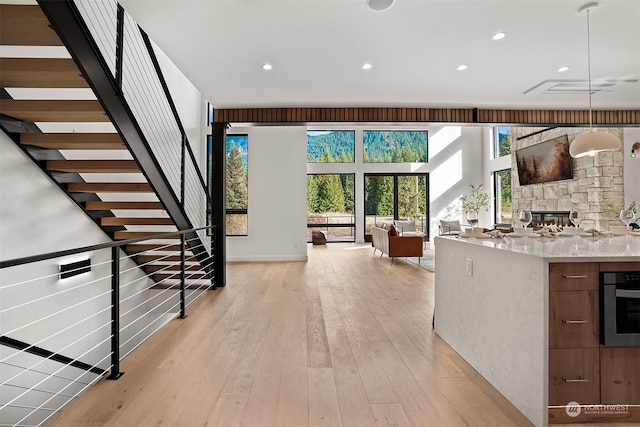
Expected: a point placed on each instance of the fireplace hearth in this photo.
(557, 218)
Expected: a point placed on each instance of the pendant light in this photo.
(592, 142)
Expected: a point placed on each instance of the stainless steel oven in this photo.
(620, 308)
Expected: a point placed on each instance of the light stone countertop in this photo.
(567, 249)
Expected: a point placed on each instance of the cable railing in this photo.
(58, 336)
(129, 57)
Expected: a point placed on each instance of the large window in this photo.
(502, 196)
(330, 146)
(501, 141)
(330, 206)
(237, 185)
(395, 146)
(390, 197)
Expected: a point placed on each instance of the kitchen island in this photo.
(492, 306)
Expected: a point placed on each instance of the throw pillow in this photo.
(406, 226)
(392, 231)
(449, 226)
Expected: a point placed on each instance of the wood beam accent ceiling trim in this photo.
(93, 166)
(435, 115)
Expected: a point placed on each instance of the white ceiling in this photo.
(317, 48)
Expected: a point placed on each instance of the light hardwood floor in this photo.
(344, 339)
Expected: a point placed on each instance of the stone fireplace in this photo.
(596, 190)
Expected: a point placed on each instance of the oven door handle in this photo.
(628, 293)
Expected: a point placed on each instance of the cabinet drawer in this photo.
(574, 376)
(573, 319)
(574, 276)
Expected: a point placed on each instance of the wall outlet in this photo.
(469, 267)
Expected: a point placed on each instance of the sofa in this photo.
(388, 242)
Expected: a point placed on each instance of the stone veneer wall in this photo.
(596, 190)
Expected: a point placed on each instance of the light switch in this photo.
(469, 267)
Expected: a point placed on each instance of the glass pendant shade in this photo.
(592, 142)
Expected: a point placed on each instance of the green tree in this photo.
(504, 147)
(330, 194)
(312, 194)
(236, 183)
(348, 189)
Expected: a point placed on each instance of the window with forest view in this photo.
(330, 206)
(330, 146)
(237, 185)
(395, 146)
(392, 197)
(501, 141)
(502, 196)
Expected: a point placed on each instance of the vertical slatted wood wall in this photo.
(435, 115)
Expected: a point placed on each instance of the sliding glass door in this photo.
(389, 197)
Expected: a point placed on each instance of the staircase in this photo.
(50, 107)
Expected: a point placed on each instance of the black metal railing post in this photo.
(183, 245)
(210, 269)
(115, 314)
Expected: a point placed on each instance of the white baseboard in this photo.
(267, 258)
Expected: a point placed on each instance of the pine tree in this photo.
(236, 183)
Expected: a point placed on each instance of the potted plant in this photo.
(476, 201)
(473, 203)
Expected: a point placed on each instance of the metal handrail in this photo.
(50, 255)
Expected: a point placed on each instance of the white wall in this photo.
(631, 167)
(37, 217)
(277, 196)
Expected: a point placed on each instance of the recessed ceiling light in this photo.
(462, 67)
(367, 66)
(498, 36)
(380, 5)
(267, 66)
(563, 69)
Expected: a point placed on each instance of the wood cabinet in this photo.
(574, 376)
(620, 373)
(574, 276)
(574, 333)
(580, 369)
(573, 319)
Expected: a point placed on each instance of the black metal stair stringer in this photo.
(67, 22)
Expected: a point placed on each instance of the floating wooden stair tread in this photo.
(110, 221)
(53, 110)
(124, 235)
(191, 276)
(74, 141)
(159, 257)
(41, 72)
(170, 269)
(144, 247)
(177, 287)
(93, 166)
(26, 25)
(108, 206)
(109, 187)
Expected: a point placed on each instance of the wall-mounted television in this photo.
(544, 162)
